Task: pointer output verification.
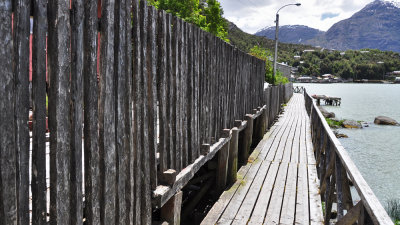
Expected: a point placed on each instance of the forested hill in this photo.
(357, 64)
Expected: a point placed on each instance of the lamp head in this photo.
(298, 4)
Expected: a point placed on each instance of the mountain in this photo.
(297, 34)
(376, 26)
(245, 42)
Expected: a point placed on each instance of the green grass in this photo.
(333, 123)
(393, 209)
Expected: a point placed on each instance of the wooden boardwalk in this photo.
(279, 184)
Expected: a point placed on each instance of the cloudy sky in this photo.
(253, 15)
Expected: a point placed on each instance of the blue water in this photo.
(374, 149)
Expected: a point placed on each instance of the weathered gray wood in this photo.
(59, 111)
(339, 188)
(21, 86)
(163, 193)
(162, 80)
(223, 160)
(288, 212)
(170, 144)
(351, 216)
(171, 211)
(107, 115)
(145, 212)
(130, 199)
(302, 204)
(233, 157)
(38, 183)
(245, 138)
(173, 96)
(90, 95)
(8, 160)
(76, 111)
(138, 107)
(121, 115)
(152, 94)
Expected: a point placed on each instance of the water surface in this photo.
(374, 149)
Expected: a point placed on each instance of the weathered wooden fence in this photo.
(335, 171)
(117, 139)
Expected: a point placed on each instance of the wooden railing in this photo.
(335, 171)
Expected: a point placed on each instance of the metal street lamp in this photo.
(276, 37)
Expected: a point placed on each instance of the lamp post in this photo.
(276, 37)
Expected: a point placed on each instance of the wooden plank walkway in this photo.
(279, 184)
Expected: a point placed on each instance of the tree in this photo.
(266, 55)
(207, 15)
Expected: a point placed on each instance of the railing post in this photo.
(222, 168)
(339, 187)
(246, 139)
(171, 211)
(233, 156)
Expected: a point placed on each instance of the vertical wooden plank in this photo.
(8, 182)
(145, 212)
(121, 116)
(90, 130)
(38, 173)
(76, 111)
(130, 199)
(59, 110)
(179, 74)
(107, 114)
(191, 92)
(197, 85)
(169, 93)
(137, 120)
(21, 29)
(184, 95)
(339, 187)
(162, 80)
(152, 94)
(174, 93)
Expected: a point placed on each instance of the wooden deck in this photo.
(279, 184)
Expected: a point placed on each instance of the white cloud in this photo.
(253, 15)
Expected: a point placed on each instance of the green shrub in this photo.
(393, 209)
(333, 123)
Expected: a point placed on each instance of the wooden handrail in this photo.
(335, 167)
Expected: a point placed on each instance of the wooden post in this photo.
(222, 168)
(245, 138)
(171, 211)
(233, 156)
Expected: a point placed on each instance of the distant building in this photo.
(286, 70)
(297, 57)
(309, 50)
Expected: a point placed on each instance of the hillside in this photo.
(365, 64)
(245, 42)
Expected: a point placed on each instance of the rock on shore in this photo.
(351, 124)
(325, 113)
(384, 120)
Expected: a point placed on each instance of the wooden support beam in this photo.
(352, 216)
(233, 157)
(364, 218)
(222, 169)
(171, 211)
